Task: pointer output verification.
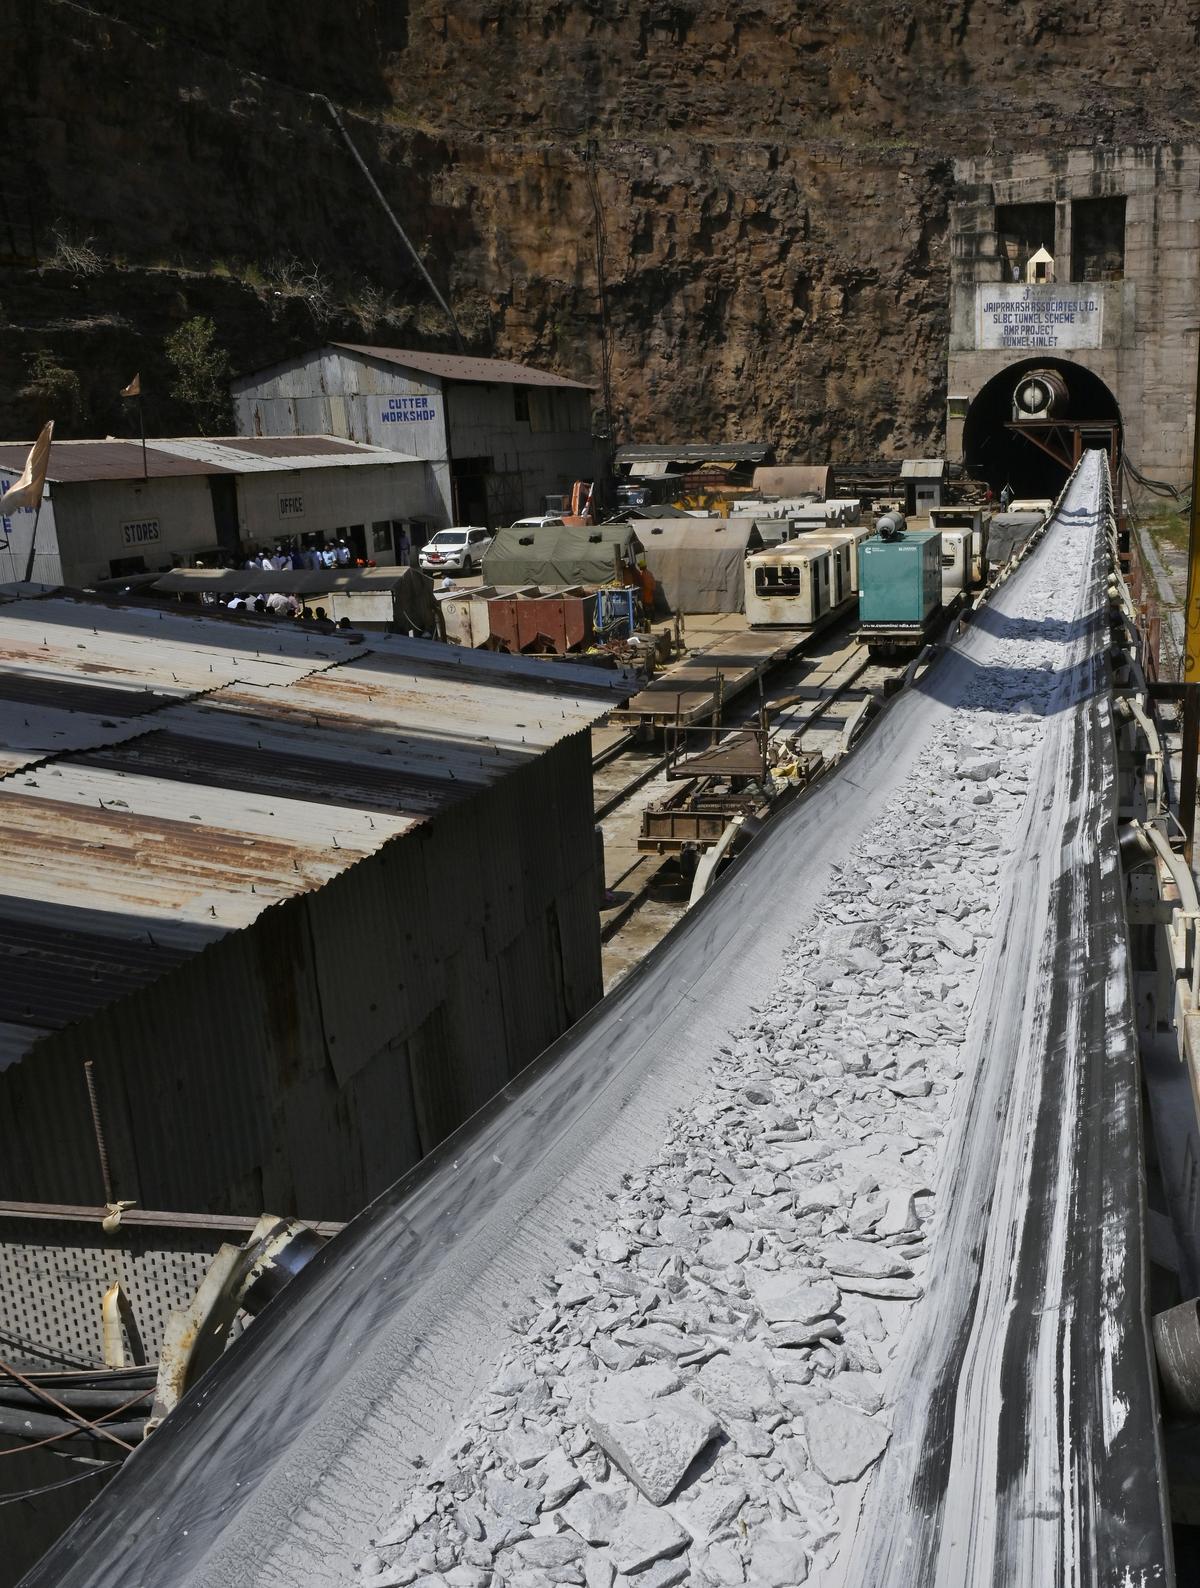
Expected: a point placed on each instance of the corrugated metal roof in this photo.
(292, 581)
(458, 366)
(271, 454)
(74, 461)
(184, 774)
(680, 452)
(922, 468)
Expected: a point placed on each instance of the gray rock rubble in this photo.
(695, 1394)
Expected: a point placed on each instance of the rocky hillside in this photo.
(764, 187)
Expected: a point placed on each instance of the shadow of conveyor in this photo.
(1042, 690)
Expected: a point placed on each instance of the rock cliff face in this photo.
(764, 185)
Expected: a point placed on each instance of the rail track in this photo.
(806, 697)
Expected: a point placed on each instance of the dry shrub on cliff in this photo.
(75, 254)
(291, 278)
(371, 307)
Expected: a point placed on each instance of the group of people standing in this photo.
(279, 606)
(287, 555)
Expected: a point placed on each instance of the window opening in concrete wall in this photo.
(1098, 239)
(520, 404)
(1021, 229)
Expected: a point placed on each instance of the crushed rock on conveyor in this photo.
(702, 1395)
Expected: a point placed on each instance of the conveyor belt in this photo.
(1024, 1446)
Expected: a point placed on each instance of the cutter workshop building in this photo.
(305, 902)
(498, 437)
(110, 510)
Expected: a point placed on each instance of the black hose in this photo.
(1156, 487)
(126, 1379)
(33, 1426)
(79, 1400)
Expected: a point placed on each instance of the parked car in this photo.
(455, 550)
(541, 521)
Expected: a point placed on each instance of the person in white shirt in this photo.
(329, 557)
(343, 554)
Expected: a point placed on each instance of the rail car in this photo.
(912, 579)
(800, 584)
(974, 519)
(850, 536)
(843, 561)
(958, 564)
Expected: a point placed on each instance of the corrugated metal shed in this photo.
(174, 777)
(923, 469)
(271, 454)
(680, 452)
(291, 581)
(75, 461)
(71, 461)
(457, 366)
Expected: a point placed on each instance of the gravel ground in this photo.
(702, 1394)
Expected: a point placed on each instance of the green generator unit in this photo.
(900, 580)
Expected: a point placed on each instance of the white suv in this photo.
(455, 550)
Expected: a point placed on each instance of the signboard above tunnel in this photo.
(1043, 317)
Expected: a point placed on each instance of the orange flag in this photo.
(27, 491)
(134, 389)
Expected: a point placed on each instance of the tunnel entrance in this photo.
(1003, 457)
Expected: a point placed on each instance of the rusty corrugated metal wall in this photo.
(306, 1061)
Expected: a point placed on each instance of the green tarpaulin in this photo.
(558, 554)
(699, 563)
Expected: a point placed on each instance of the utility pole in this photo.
(1191, 652)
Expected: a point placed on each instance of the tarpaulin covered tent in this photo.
(697, 562)
(399, 599)
(1007, 534)
(558, 554)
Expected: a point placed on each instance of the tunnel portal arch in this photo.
(997, 455)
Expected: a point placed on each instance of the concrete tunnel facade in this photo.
(1080, 260)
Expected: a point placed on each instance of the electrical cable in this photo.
(78, 1397)
(45, 1488)
(1155, 487)
(600, 244)
(47, 1353)
(387, 210)
(51, 1400)
(70, 1432)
